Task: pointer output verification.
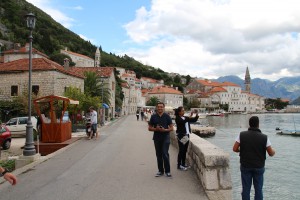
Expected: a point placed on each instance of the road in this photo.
(119, 166)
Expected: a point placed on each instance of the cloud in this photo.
(212, 38)
(86, 38)
(57, 15)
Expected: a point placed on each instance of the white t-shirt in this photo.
(93, 116)
(186, 126)
(239, 141)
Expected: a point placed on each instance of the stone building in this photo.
(107, 79)
(48, 78)
(81, 60)
(171, 97)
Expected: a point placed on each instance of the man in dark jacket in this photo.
(161, 124)
(252, 145)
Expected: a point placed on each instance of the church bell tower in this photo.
(97, 58)
(247, 81)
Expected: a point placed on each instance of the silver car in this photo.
(17, 126)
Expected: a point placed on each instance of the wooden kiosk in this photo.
(55, 126)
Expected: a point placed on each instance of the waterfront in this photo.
(282, 177)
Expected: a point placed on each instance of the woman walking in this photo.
(183, 132)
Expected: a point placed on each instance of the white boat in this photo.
(289, 132)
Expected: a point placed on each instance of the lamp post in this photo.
(103, 109)
(29, 149)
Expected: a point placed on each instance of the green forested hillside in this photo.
(50, 37)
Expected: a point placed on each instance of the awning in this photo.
(104, 105)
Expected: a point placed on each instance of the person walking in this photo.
(161, 124)
(137, 115)
(11, 178)
(183, 131)
(252, 146)
(94, 122)
(142, 115)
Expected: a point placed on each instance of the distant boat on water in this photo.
(288, 132)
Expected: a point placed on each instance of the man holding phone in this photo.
(161, 124)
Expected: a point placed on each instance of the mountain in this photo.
(288, 87)
(50, 37)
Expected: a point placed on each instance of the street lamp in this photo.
(29, 149)
(103, 109)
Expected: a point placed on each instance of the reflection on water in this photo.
(282, 177)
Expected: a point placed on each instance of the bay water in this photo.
(282, 172)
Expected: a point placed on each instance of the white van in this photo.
(17, 126)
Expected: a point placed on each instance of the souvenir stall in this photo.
(56, 125)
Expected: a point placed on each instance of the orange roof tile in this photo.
(229, 84)
(218, 89)
(208, 83)
(38, 64)
(23, 50)
(164, 90)
(100, 71)
(76, 54)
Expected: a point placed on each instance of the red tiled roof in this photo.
(164, 90)
(218, 89)
(125, 85)
(229, 84)
(76, 54)
(208, 83)
(23, 50)
(38, 64)
(151, 80)
(100, 71)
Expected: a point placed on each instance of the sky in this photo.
(200, 38)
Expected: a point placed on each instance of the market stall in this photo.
(55, 123)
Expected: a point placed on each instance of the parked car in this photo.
(17, 126)
(5, 137)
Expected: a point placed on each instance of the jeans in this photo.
(257, 176)
(182, 153)
(162, 154)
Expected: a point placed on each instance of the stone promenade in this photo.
(119, 166)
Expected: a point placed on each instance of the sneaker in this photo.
(158, 174)
(169, 175)
(182, 168)
(187, 166)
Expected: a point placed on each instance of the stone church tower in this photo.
(247, 81)
(97, 58)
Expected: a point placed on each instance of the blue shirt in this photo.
(164, 121)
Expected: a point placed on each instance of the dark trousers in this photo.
(162, 155)
(182, 153)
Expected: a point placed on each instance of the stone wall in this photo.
(49, 82)
(211, 164)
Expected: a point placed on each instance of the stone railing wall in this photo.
(211, 165)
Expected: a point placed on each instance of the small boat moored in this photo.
(288, 132)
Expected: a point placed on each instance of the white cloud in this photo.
(57, 15)
(212, 38)
(86, 38)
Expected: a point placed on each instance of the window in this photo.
(22, 120)
(35, 89)
(14, 90)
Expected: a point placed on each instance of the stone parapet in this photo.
(211, 164)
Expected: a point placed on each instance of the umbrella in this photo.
(104, 105)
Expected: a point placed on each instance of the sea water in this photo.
(282, 172)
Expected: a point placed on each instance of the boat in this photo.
(289, 132)
(215, 114)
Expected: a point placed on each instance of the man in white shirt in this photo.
(94, 122)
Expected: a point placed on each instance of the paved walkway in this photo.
(119, 166)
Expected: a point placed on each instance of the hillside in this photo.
(50, 37)
(288, 87)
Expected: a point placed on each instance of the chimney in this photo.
(66, 48)
(66, 64)
(176, 88)
(17, 46)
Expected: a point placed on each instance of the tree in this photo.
(59, 58)
(152, 101)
